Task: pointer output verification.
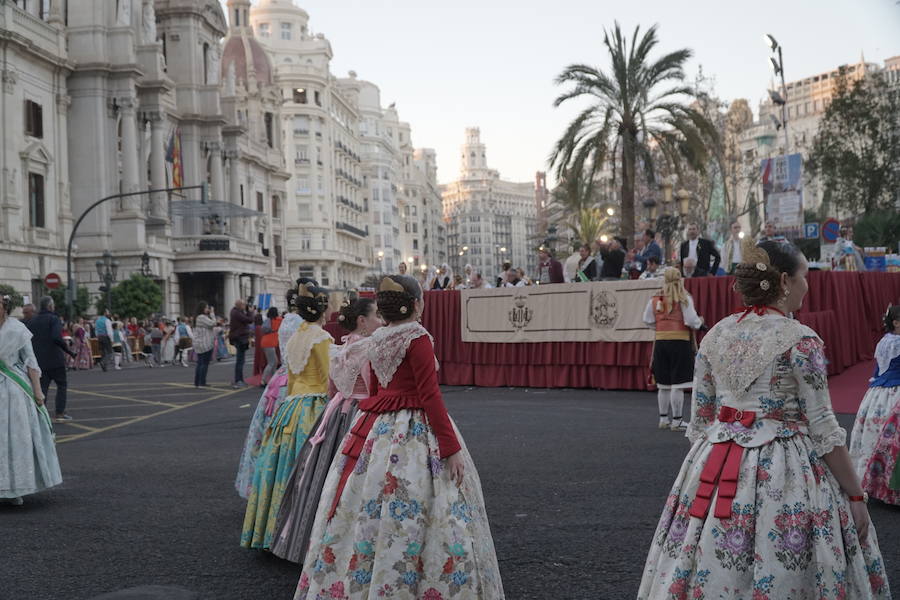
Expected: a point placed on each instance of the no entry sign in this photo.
(52, 281)
(831, 229)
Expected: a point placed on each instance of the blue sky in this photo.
(491, 63)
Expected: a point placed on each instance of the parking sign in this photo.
(811, 231)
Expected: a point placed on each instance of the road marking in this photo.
(79, 426)
(92, 419)
(99, 395)
(81, 436)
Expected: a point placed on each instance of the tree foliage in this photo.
(856, 151)
(574, 206)
(878, 229)
(79, 306)
(636, 106)
(15, 297)
(137, 296)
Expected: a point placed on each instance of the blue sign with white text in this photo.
(811, 231)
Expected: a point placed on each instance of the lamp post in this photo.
(107, 269)
(780, 99)
(145, 265)
(674, 214)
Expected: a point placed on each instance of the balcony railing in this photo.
(351, 229)
(215, 243)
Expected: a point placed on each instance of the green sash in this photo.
(18, 380)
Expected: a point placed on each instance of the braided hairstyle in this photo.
(353, 308)
(758, 277)
(395, 305)
(892, 314)
(7, 302)
(311, 302)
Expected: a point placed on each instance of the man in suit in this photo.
(651, 248)
(49, 346)
(702, 250)
(613, 254)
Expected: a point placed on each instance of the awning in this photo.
(196, 208)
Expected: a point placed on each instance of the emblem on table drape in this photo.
(520, 315)
(604, 310)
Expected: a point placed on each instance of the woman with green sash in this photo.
(28, 461)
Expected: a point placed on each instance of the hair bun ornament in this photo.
(761, 266)
(764, 284)
(342, 318)
(389, 285)
(403, 310)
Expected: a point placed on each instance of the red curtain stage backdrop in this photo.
(845, 309)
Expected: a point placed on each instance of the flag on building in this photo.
(173, 155)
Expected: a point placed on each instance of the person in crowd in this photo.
(650, 249)
(847, 255)
(467, 274)
(651, 270)
(259, 356)
(523, 277)
(613, 254)
(733, 248)
(689, 268)
(117, 338)
(768, 233)
(875, 441)
(424, 484)
(307, 394)
(550, 270)
(27, 312)
(767, 503)
(351, 380)
(478, 282)
(501, 278)
(133, 326)
(143, 337)
(168, 347)
(272, 398)
(269, 343)
(239, 336)
(458, 283)
(156, 338)
(28, 461)
(673, 315)
(401, 268)
(82, 347)
(221, 331)
(184, 342)
(49, 349)
(703, 251)
(443, 279)
(513, 279)
(204, 340)
(103, 330)
(587, 266)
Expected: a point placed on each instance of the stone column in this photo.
(234, 191)
(130, 177)
(230, 293)
(254, 286)
(217, 180)
(157, 164)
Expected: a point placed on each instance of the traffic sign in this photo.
(831, 230)
(52, 281)
(811, 231)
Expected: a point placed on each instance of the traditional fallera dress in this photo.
(391, 523)
(82, 359)
(673, 351)
(755, 513)
(351, 379)
(28, 461)
(875, 442)
(307, 394)
(268, 403)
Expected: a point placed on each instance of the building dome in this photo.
(242, 50)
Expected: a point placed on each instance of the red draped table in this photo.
(844, 308)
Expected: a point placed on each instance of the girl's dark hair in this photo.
(312, 308)
(892, 314)
(272, 312)
(397, 305)
(290, 299)
(351, 311)
(201, 306)
(784, 258)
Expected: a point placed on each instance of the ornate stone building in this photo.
(490, 221)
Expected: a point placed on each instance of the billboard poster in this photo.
(782, 181)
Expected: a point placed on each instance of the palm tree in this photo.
(636, 108)
(573, 205)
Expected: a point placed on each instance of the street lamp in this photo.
(145, 265)
(674, 214)
(107, 269)
(780, 99)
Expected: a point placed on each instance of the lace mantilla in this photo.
(301, 344)
(389, 348)
(887, 350)
(349, 362)
(739, 352)
(289, 326)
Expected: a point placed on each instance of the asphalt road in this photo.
(574, 482)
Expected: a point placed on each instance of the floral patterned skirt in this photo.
(284, 437)
(875, 442)
(262, 416)
(402, 529)
(791, 534)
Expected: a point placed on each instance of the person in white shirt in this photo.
(478, 282)
(513, 279)
(651, 271)
(733, 248)
(689, 268)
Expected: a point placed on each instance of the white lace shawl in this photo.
(739, 352)
(349, 362)
(389, 347)
(16, 338)
(300, 346)
(289, 325)
(887, 350)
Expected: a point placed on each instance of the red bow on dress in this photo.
(759, 309)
